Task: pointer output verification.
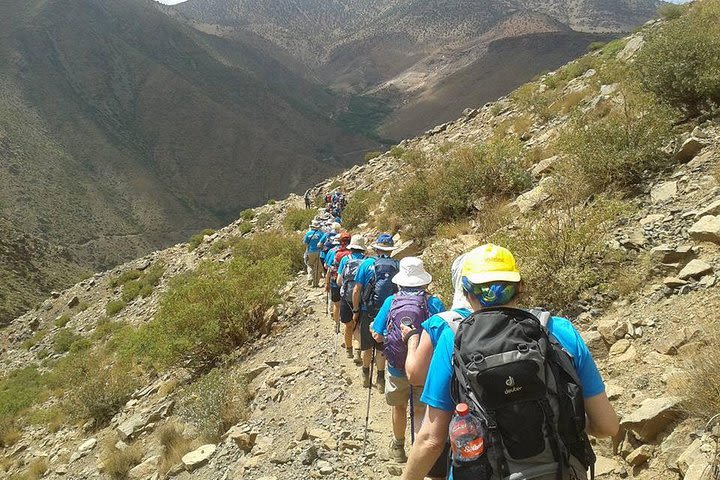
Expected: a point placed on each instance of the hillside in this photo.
(122, 130)
(214, 359)
(407, 52)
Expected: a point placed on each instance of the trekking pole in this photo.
(337, 336)
(412, 417)
(367, 413)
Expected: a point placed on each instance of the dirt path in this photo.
(310, 407)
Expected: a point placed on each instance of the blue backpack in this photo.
(380, 286)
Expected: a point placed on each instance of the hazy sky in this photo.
(170, 2)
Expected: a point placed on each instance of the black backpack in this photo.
(522, 385)
(348, 279)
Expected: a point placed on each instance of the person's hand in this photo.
(378, 338)
(356, 316)
(405, 329)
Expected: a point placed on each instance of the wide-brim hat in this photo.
(357, 242)
(384, 243)
(314, 224)
(490, 263)
(412, 273)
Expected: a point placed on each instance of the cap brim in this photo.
(356, 247)
(487, 277)
(384, 248)
(403, 280)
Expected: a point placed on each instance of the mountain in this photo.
(123, 130)
(408, 52)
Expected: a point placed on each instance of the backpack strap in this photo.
(542, 315)
(452, 318)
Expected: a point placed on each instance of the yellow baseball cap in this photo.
(490, 263)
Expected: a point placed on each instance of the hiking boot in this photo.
(397, 451)
(381, 381)
(349, 352)
(366, 377)
(358, 358)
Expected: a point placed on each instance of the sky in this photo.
(170, 2)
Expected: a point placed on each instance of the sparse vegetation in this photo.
(298, 219)
(64, 340)
(701, 386)
(18, 391)
(212, 311)
(35, 339)
(215, 403)
(671, 11)
(175, 445)
(618, 150)
(198, 238)
(397, 151)
(143, 285)
(247, 214)
(114, 307)
(445, 191)
(118, 462)
(359, 207)
(680, 63)
(62, 320)
(370, 155)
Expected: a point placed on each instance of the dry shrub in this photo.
(701, 386)
(567, 103)
(9, 434)
(215, 403)
(118, 462)
(452, 230)
(175, 445)
(37, 468)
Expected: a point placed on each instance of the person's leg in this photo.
(399, 421)
(396, 396)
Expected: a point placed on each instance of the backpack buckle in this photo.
(478, 357)
(523, 348)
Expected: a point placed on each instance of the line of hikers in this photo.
(494, 391)
(335, 203)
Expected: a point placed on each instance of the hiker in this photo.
(373, 284)
(411, 303)
(307, 199)
(312, 239)
(512, 395)
(329, 232)
(332, 262)
(347, 269)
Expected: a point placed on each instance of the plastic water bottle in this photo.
(468, 444)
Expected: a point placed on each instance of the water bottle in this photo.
(468, 444)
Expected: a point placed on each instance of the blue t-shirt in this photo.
(379, 325)
(330, 256)
(312, 240)
(437, 385)
(365, 274)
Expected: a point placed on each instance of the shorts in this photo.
(335, 294)
(366, 340)
(346, 314)
(440, 469)
(397, 392)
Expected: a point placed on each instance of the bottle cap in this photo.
(462, 409)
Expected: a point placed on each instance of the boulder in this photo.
(595, 343)
(145, 469)
(543, 167)
(606, 467)
(663, 192)
(707, 229)
(198, 458)
(652, 417)
(244, 441)
(407, 249)
(689, 150)
(631, 48)
(74, 302)
(530, 200)
(640, 455)
(674, 282)
(669, 254)
(695, 269)
(130, 427)
(87, 445)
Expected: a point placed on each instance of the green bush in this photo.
(245, 227)
(215, 403)
(197, 239)
(37, 337)
(298, 219)
(595, 46)
(114, 307)
(19, 390)
(143, 285)
(446, 191)
(671, 11)
(263, 219)
(125, 277)
(62, 320)
(210, 312)
(618, 150)
(64, 340)
(370, 155)
(680, 62)
(247, 214)
(358, 208)
(397, 151)
(131, 290)
(562, 252)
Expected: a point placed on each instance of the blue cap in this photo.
(384, 242)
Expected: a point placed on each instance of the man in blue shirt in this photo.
(412, 279)
(383, 246)
(486, 266)
(346, 280)
(312, 240)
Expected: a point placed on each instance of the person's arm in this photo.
(357, 290)
(417, 362)
(429, 444)
(378, 326)
(602, 421)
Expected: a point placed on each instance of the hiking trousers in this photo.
(316, 269)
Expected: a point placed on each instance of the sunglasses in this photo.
(491, 294)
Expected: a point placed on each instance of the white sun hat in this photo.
(412, 273)
(357, 242)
